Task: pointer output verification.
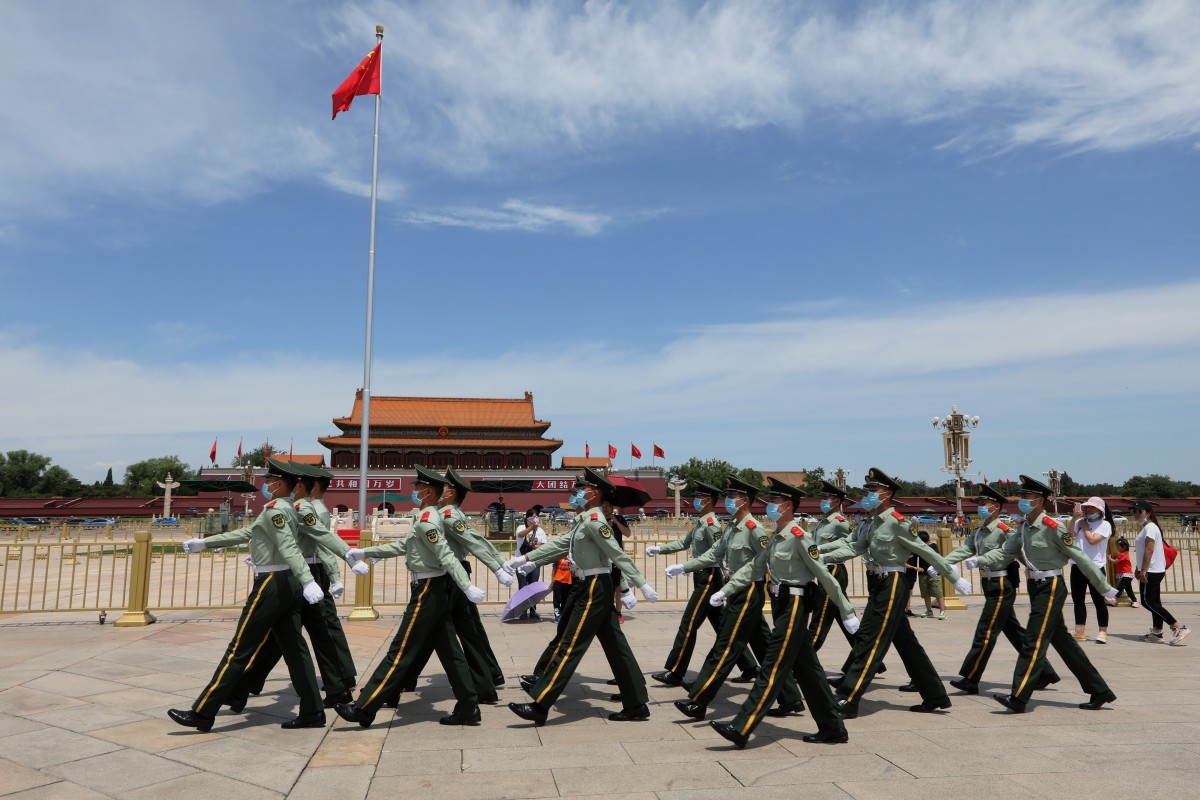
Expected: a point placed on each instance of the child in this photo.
(1124, 570)
(562, 586)
(931, 588)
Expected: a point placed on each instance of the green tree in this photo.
(256, 457)
(26, 474)
(108, 480)
(713, 471)
(1157, 486)
(141, 479)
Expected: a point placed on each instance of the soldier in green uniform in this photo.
(589, 614)
(792, 563)
(426, 625)
(999, 591)
(699, 540)
(742, 622)
(1047, 546)
(830, 530)
(316, 494)
(888, 542)
(283, 584)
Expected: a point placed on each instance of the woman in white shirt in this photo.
(1150, 567)
(1093, 526)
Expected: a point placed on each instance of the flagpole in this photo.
(365, 433)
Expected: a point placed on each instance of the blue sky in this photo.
(783, 234)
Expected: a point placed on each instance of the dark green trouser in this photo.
(271, 613)
(789, 651)
(329, 610)
(741, 624)
(1046, 628)
(997, 616)
(425, 626)
(475, 646)
(825, 614)
(884, 624)
(589, 614)
(324, 643)
(875, 583)
(705, 584)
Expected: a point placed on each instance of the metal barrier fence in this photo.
(146, 570)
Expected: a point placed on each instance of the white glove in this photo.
(931, 572)
(971, 563)
(354, 555)
(504, 576)
(313, 593)
(628, 600)
(962, 586)
(528, 567)
(674, 570)
(336, 590)
(653, 550)
(851, 624)
(717, 599)
(193, 546)
(514, 562)
(475, 594)
(1110, 597)
(648, 592)
(361, 568)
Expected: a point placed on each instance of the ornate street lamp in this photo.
(956, 446)
(677, 485)
(1054, 481)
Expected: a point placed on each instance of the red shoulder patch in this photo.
(896, 514)
(1003, 527)
(839, 517)
(751, 524)
(595, 517)
(710, 520)
(1051, 522)
(271, 504)
(297, 506)
(425, 517)
(447, 512)
(796, 531)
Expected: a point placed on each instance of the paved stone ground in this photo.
(83, 715)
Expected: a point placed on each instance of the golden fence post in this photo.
(139, 584)
(950, 596)
(364, 587)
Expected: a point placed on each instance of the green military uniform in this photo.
(886, 541)
(1047, 547)
(329, 605)
(829, 532)
(699, 540)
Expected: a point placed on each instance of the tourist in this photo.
(1150, 571)
(931, 585)
(1092, 523)
(529, 538)
(1124, 570)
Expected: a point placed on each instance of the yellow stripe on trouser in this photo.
(254, 655)
(567, 655)
(691, 629)
(412, 623)
(237, 638)
(987, 636)
(796, 603)
(733, 638)
(1037, 646)
(896, 578)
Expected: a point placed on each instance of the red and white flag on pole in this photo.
(659, 452)
(612, 452)
(212, 454)
(363, 80)
(633, 450)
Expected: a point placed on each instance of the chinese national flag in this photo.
(659, 452)
(212, 454)
(633, 448)
(239, 451)
(364, 80)
(587, 450)
(612, 451)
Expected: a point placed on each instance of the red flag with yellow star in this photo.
(363, 80)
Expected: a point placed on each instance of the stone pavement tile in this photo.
(140, 699)
(71, 685)
(1161, 784)
(690, 750)
(806, 791)
(10, 725)
(62, 790)
(203, 786)
(20, 700)
(392, 763)
(16, 676)
(882, 743)
(120, 771)
(108, 670)
(266, 731)
(51, 746)
(578, 733)
(435, 737)
(982, 738)
(476, 786)
(85, 718)
(938, 763)
(812, 769)
(16, 777)
(989, 787)
(551, 756)
(321, 783)
(1088, 756)
(152, 735)
(642, 778)
(342, 747)
(167, 682)
(268, 767)
(1142, 732)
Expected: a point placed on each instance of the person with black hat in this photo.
(426, 624)
(889, 542)
(742, 622)
(1046, 547)
(321, 479)
(999, 591)
(1150, 548)
(589, 614)
(282, 584)
(699, 540)
(830, 531)
(792, 562)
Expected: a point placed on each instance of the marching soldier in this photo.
(742, 622)
(830, 531)
(999, 591)
(426, 625)
(699, 540)
(283, 584)
(792, 563)
(1047, 547)
(316, 494)
(589, 613)
(889, 543)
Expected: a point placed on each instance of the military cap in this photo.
(303, 470)
(986, 492)
(429, 476)
(832, 490)
(597, 481)
(778, 488)
(877, 477)
(277, 466)
(1031, 486)
(320, 472)
(702, 488)
(735, 484)
(455, 480)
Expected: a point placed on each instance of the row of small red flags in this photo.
(634, 451)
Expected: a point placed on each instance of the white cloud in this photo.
(513, 215)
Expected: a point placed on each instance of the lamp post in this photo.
(1054, 477)
(248, 476)
(677, 485)
(167, 486)
(839, 478)
(956, 446)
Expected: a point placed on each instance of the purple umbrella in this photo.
(523, 598)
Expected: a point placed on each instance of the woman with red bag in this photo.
(1151, 568)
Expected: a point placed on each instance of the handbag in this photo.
(1170, 553)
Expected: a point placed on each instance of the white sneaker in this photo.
(1102, 638)
(1153, 638)
(1181, 633)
